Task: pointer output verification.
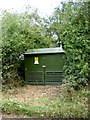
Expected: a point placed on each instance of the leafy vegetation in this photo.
(20, 32)
(70, 25)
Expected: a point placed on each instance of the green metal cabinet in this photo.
(44, 66)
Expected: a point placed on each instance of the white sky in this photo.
(45, 7)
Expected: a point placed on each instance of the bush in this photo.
(19, 33)
(70, 26)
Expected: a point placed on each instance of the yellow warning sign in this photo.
(36, 60)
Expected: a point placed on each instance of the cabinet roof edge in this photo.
(45, 51)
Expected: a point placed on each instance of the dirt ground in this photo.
(32, 95)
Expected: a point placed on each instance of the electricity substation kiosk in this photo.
(44, 66)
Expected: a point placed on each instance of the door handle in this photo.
(44, 66)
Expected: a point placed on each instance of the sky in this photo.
(45, 7)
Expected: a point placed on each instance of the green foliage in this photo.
(20, 32)
(70, 25)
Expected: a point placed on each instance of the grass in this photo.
(72, 104)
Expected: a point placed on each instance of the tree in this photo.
(70, 25)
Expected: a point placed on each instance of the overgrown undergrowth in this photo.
(70, 104)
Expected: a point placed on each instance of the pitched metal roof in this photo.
(45, 50)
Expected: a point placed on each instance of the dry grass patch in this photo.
(45, 101)
(33, 95)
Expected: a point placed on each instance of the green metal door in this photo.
(35, 70)
(54, 69)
